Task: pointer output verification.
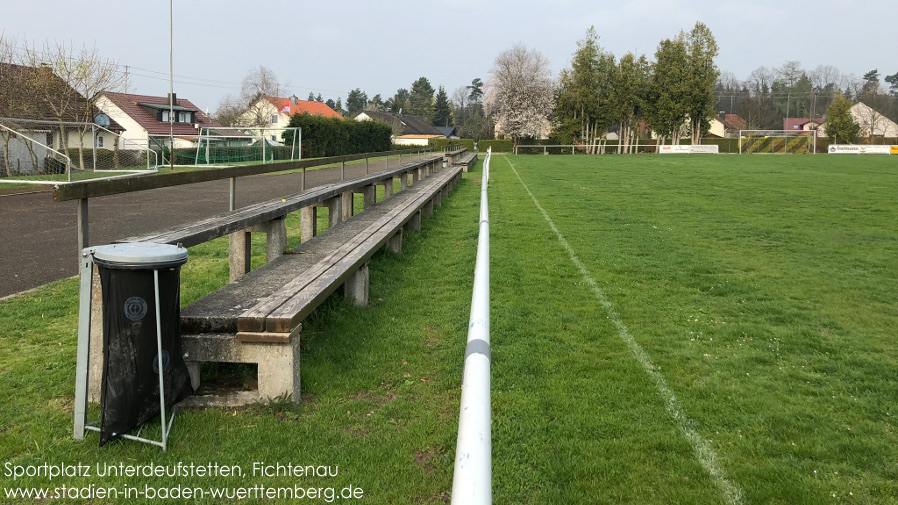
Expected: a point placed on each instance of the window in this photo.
(183, 117)
(164, 116)
(274, 119)
(274, 138)
(101, 141)
(102, 120)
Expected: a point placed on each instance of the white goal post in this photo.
(232, 144)
(777, 141)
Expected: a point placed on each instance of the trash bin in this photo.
(141, 314)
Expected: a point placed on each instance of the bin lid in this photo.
(141, 253)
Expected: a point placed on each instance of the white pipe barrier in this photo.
(472, 480)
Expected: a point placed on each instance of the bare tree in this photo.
(825, 78)
(520, 93)
(249, 109)
(790, 72)
(66, 80)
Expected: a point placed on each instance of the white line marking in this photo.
(706, 455)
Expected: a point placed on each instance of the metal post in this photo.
(82, 360)
(343, 171)
(159, 362)
(366, 165)
(303, 187)
(83, 226)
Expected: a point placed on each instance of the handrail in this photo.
(472, 480)
(96, 188)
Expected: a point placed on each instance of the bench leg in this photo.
(370, 194)
(193, 369)
(356, 286)
(414, 176)
(279, 370)
(276, 238)
(403, 181)
(414, 224)
(438, 198)
(347, 205)
(445, 191)
(240, 254)
(388, 188)
(308, 219)
(395, 242)
(428, 207)
(334, 211)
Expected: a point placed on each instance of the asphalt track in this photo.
(38, 237)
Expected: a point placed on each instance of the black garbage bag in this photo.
(129, 394)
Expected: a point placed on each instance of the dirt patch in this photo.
(425, 459)
(441, 497)
(432, 336)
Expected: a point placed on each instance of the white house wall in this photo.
(134, 136)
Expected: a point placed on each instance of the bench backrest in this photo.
(226, 223)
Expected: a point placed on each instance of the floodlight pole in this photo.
(171, 87)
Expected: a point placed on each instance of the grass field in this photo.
(667, 329)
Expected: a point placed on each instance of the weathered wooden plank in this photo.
(329, 276)
(252, 320)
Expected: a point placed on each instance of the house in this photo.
(872, 122)
(37, 103)
(801, 124)
(450, 132)
(407, 130)
(144, 119)
(726, 126)
(273, 114)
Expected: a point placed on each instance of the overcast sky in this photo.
(379, 46)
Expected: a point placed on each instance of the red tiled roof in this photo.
(796, 123)
(128, 104)
(303, 107)
(734, 122)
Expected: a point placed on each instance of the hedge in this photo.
(326, 136)
(440, 144)
(499, 146)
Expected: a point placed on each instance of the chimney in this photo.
(173, 98)
(722, 115)
(293, 100)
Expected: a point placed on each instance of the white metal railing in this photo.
(472, 480)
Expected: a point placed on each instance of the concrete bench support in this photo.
(308, 222)
(403, 181)
(356, 286)
(438, 199)
(276, 237)
(428, 207)
(388, 188)
(395, 242)
(414, 224)
(334, 211)
(278, 364)
(370, 196)
(348, 205)
(239, 254)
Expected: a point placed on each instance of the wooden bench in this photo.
(460, 157)
(257, 318)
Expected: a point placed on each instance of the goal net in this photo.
(777, 141)
(236, 145)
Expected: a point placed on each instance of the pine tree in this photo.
(441, 111)
(311, 96)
